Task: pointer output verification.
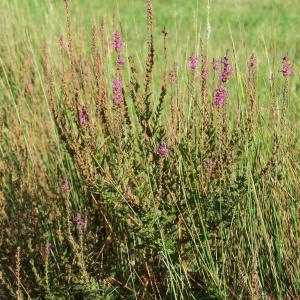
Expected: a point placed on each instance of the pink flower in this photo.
(117, 91)
(193, 62)
(120, 61)
(117, 42)
(227, 70)
(117, 84)
(287, 68)
(80, 221)
(220, 95)
(215, 65)
(83, 116)
(173, 74)
(162, 149)
(65, 185)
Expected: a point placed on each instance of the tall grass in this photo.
(146, 174)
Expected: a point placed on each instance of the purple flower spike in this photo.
(173, 74)
(117, 91)
(220, 96)
(117, 43)
(162, 149)
(120, 61)
(117, 84)
(80, 221)
(215, 65)
(83, 116)
(287, 68)
(65, 185)
(193, 62)
(227, 70)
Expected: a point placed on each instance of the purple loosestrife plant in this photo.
(65, 185)
(220, 96)
(80, 221)
(117, 42)
(193, 62)
(287, 68)
(117, 83)
(120, 61)
(215, 65)
(117, 91)
(162, 149)
(173, 74)
(227, 70)
(83, 116)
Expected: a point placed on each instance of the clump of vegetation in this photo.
(177, 184)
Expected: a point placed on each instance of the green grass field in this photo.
(145, 172)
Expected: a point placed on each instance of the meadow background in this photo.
(97, 215)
